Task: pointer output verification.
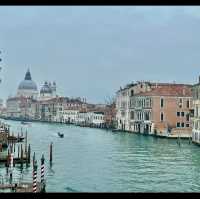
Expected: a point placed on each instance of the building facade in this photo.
(123, 98)
(163, 111)
(196, 114)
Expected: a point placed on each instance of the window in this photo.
(196, 112)
(132, 115)
(187, 125)
(182, 124)
(161, 102)
(188, 104)
(132, 92)
(180, 102)
(178, 124)
(182, 114)
(161, 117)
(147, 116)
(187, 117)
(178, 114)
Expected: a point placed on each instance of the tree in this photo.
(110, 100)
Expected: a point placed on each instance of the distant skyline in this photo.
(90, 51)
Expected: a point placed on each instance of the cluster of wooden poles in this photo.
(35, 166)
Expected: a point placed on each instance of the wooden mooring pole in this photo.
(33, 158)
(18, 151)
(21, 156)
(29, 154)
(189, 140)
(26, 144)
(51, 146)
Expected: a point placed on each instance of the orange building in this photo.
(165, 111)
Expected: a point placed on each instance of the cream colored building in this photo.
(196, 115)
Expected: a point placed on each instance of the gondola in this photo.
(61, 135)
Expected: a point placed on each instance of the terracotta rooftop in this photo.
(151, 84)
(170, 90)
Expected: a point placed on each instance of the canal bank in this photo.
(162, 135)
(96, 160)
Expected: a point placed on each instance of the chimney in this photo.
(199, 78)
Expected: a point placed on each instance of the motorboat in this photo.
(61, 135)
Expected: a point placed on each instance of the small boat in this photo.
(4, 145)
(61, 134)
(22, 122)
(14, 138)
(116, 130)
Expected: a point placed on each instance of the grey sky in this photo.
(92, 51)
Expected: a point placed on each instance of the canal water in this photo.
(96, 160)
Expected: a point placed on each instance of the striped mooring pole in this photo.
(42, 174)
(35, 177)
(42, 169)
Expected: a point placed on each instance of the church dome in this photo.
(46, 88)
(27, 83)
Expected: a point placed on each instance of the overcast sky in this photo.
(92, 51)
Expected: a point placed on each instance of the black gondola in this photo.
(61, 134)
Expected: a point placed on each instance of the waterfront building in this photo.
(123, 102)
(58, 109)
(19, 107)
(70, 115)
(27, 88)
(3, 112)
(82, 117)
(13, 107)
(51, 110)
(164, 110)
(1, 103)
(196, 113)
(91, 118)
(71, 109)
(96, 118)
(110, 116)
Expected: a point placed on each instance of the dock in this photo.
(22, 188)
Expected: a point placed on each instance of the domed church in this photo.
(27, 88)
(48, 91)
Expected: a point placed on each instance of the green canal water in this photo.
(96, 160)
